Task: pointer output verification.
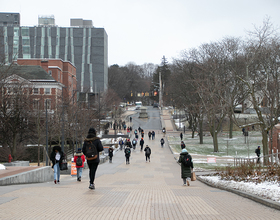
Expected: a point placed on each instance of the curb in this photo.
(266, 202)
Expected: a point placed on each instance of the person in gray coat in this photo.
(186, 166)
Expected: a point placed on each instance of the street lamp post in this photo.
(47, 142)
(160, 91)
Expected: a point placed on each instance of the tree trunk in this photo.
(200, 131)
(215, 141)
(230, 127)
(264, 143)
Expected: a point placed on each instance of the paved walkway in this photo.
(140, 190)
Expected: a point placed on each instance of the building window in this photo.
(48, 104)
(24, 32)
(25, 41)
(35, 91)
(47, 91)
(15, 32)
(36, 104)
(25, 49)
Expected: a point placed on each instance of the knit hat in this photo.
(79, 150)
(184, 151)
(91, 131)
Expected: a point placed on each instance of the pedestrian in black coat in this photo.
(258, 152)
(148, 152)
(141, 143)
(92, 164)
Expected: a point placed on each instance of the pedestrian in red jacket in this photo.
(79, 159)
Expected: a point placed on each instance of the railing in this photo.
(270, 158)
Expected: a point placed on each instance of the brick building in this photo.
(37, 84)
(62, 71)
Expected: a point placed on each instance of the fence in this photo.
(270, 158)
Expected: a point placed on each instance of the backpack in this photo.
(91, 151)
(79, 161)
(127, 151)
(187, 160)
(162, 141)
(148, 151)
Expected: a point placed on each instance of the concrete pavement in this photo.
(139, 190)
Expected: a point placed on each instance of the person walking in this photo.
(183, 145)
(110, 153)
(141, 143)
(153, 135)
(121, 144)
(92, 144)
(148, 152)
(161, 142)
(134, 142)
(127, 152)
(149, 134)
(258, 152)
(186, 166)
(56, 157)
(181, 136)
(79, 159)
(128, 143)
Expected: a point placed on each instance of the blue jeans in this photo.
(56, 171)
(79, 172)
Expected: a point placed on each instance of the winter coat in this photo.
(96, 141)
(127, 151)
(79, 154)
(146, 149)
(141, 142)
(52, 157)
(128, 143)
(258, 152)
(110, 150)
(185, 170)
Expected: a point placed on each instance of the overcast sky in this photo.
(142, 31)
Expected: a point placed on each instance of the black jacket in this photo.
(96, 141)
(147, 152)
(52, 157)
(258, 151)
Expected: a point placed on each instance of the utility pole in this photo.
(62, 129)
(160, 91)
(47, 162)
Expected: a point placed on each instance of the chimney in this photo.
(45, 65)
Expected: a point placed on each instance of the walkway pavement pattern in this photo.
(140, 190)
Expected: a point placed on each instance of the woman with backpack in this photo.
(79, 159)
(127, 152)
(186, 166)
(91, 148)
(148, 152)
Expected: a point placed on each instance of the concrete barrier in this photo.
(17, 164)
(40, 175)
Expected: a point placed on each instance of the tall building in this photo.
(85, 46)
(9, 19)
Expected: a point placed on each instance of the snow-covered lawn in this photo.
(266, 189)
